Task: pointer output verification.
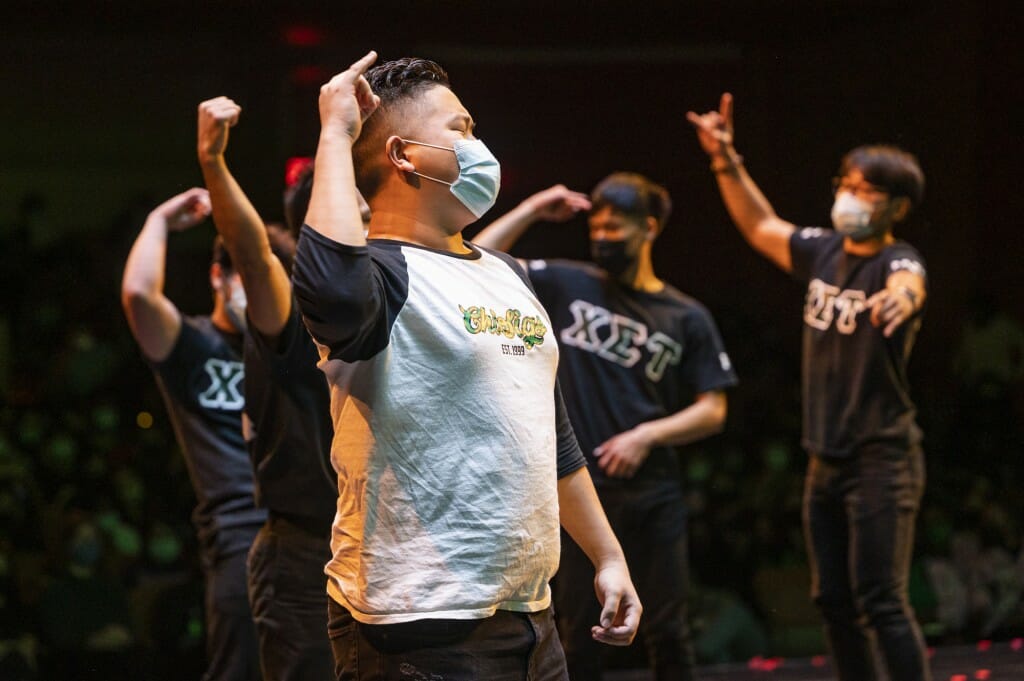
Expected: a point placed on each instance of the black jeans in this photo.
(508, 646)
(231, 648)
(289, 599)
(650, 523)
(859, 518)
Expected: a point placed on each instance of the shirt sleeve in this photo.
(904, 257)
(349, 299)
(706, 365)
(804, 247)
(175, 371)
(570, 456)
(287, 352)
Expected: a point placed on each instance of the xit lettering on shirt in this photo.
(620, 339)
(827, 304)
(223, 392)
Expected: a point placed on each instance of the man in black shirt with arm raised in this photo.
(865, 294)
(198, 368)
(290, 428)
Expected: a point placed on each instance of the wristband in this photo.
(726, 164)
(910, 294)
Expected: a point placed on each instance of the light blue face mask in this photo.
(479, 174)
(852, 217)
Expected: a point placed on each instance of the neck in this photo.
(641, 276)
(868, 247)
(415, 230)
(220, 318)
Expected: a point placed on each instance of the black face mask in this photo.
(611, 256)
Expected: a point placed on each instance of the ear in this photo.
(395, 148)
(900, 208)
(653, 228)
(216, 276)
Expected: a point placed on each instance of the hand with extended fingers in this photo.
(557, 203)
(891, 308)
(216, 116)
(347, 100)
(714, 129)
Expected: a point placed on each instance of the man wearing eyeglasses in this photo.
(865, 295)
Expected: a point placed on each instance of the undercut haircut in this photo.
(397, 83)
(888, 167)
(633, 195)
(220, 254)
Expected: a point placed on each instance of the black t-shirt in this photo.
(288, 403)
(201, 382)
(855, 388)
(627, 357)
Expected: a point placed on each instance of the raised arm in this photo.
(747, 206)
(554, 204)
(267, 289)
(345, 101)
(583, 518)
(154, 320)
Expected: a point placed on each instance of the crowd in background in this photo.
(98, 567)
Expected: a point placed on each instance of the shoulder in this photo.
(815, 237)
(566, 269)
(901, 256)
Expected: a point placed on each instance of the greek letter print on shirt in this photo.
(625, 339)
(855, 387)
(628, 357)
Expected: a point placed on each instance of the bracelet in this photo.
(728, 164)
(911, 295)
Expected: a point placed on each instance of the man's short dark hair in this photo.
(220, 254)
(282, 243)
(634, 195)
(396, 83)
(296, 200)
(888, 167)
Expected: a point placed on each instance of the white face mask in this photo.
(852, 217)
(479, 174)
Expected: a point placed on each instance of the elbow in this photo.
(133, 296)
(718, 412)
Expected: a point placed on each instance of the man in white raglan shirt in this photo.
(454, 455)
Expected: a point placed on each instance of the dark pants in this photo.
(289, 601)
(650, 523)
(508, 646)
(859, 523)
(231, 648)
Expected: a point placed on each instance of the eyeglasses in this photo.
(863, 190)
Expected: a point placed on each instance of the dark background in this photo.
(97, 126)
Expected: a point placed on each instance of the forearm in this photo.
(234, 216)
(909, 285)
(333, 206)
(743, 199)
(583, 518)
(245, 238)
(503, 233)
(703, 418)
(145, 267)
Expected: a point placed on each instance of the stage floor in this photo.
(981, 662)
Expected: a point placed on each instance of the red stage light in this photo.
(300, 35)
